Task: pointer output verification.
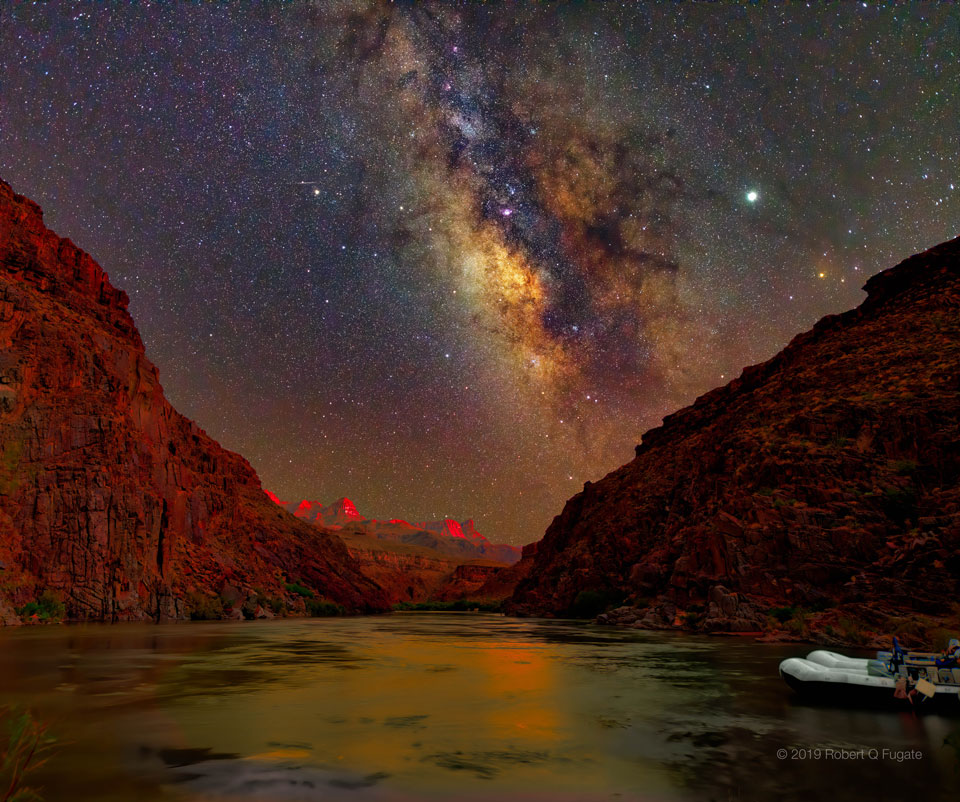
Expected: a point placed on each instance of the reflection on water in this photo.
(443, 706)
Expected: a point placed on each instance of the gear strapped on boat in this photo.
(895, 677)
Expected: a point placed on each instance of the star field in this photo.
(453, 260)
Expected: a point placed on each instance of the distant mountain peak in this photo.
(448, 535)
(344, 506)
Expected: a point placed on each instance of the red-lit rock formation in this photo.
(429, 561)
(465, 532)
(449, 537)
(109, 498)
(826, 480)
(447, 527)
(343, 511)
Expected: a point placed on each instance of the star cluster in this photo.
(453, 260)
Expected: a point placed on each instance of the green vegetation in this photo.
(300, 590)
(904, 466)
(792, 619)
(798, 625)
(24, 747)
(320, 608)
(461, 605)
(204, 608)
(47, 608)
(795, 619)
(783, 614)
(277, 605)
(780, 502)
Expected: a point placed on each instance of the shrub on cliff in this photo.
(276, 605)
(204, 608)
(783, 614)
(300, 590)
(320, 608)
(47, 608)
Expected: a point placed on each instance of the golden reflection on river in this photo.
(436, 706)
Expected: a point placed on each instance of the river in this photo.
(437, 706)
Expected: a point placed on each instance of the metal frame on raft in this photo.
(897, 679)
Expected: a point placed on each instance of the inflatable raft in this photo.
(894, 679)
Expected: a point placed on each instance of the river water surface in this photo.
(438, 706)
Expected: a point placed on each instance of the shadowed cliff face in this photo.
(108, 496)
(408, 572)
(825, 479)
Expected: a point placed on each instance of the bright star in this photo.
(316, 191)
(752, 196)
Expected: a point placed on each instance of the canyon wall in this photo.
(109, 498)
(822, 485)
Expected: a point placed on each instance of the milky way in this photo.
(455, 259)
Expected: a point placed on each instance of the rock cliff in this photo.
(110, 499)
(819, 491)
(411, 573)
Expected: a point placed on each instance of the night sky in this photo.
(454, 260)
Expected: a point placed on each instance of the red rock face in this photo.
(108, 496)
(429, 561)
(447, 537)
(447, 527)
(342, 511)
(829, 475)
